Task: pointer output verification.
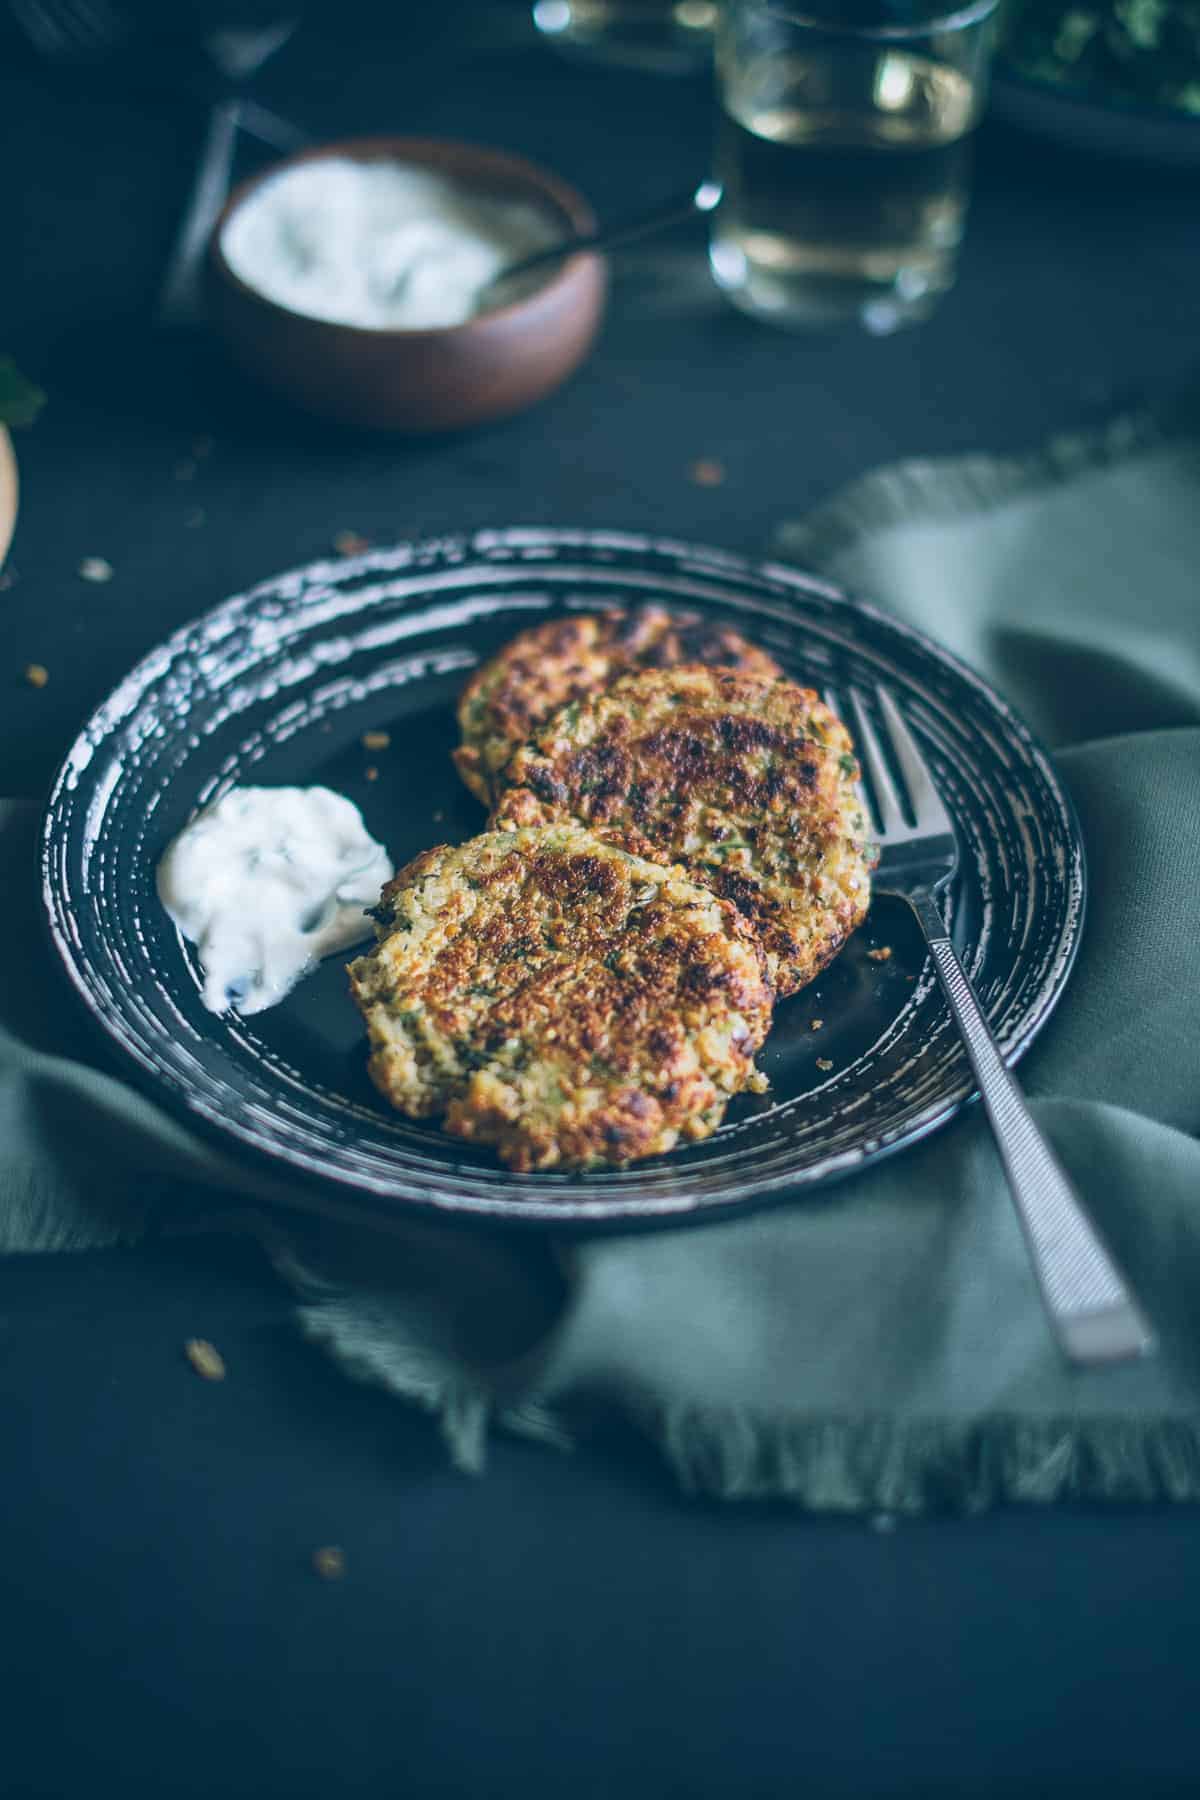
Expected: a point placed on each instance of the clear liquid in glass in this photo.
(845, 171)
(670, 35)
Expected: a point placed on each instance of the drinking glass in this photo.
(844, 144)
(668, 36)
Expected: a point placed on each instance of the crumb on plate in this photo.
(376, 740)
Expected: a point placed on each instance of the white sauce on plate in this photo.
(383, 245)
(267, 881)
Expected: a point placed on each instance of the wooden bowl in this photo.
(429, 380)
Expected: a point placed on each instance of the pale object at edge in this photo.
(8, 493)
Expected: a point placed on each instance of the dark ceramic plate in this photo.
(1114, 127)
(279, 687)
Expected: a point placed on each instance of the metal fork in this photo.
(236, 55)
(85, 32)
(1090, 1309)
(69, 28)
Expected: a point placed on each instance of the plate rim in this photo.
(624, 1210)
(1130, 134)
(1011, 75)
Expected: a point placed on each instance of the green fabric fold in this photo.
(879, 1346)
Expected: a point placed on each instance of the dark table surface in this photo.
(565, 1625)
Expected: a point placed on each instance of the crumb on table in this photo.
(96, 568)
(883, 954)
(330, 1562)
(37, 675)
(351, 543)
(815, 1024)
(706, 471)
(371, 773)
(205, 1358)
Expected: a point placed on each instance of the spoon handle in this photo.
(609, 237)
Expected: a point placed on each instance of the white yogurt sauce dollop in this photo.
(267, 881)
(378, 244)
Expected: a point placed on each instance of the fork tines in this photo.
(925, 815)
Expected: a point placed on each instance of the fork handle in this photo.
(1090, 1308)
(180, 300)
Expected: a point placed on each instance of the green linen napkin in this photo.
(881, 1345)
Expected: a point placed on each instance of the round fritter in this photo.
(565, 659)
(749, 784)
(558, 998)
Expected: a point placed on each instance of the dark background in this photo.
(566, 1624)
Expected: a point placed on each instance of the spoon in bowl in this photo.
(702, 199)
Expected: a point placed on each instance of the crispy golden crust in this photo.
(551, 995)
(566, 659)
(749, 784)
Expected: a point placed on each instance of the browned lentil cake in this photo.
(749, 784)
(568, 658)
(548, 993)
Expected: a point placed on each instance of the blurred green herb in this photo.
(20, 400)
(1144, 51)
